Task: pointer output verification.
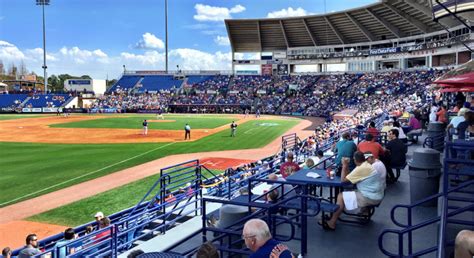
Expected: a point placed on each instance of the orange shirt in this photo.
(373, 147)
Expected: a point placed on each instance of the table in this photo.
(333, 184)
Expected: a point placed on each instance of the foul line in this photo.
(90, 173)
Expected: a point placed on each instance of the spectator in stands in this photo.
(7, 252)
(258, 239)
(386, 126)
(378, 166)
(415, 127)
(442, 115)
(464, 244)
(455, 121)
(371, 146)
(98, 216)
(207, 250)
(345, 148)
(397, 153)
(373, 130)
(289, 167)
(309, 163)
(69, 235)
(103, 223)
(369, 191)
(31, 248)
(318, 160)
(401, 133)
(135, 253)
(466, 127)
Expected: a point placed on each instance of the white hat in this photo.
(99, 214)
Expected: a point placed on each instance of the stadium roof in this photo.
(387, 19)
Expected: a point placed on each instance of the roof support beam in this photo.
(309, 32)
(338, 34)
(395, 31)
(364, 30)
(284, 33)
(422, 27)
(259, 36)
(427, 11)
(230, 36)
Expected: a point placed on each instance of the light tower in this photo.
(43, 3)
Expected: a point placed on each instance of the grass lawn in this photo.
(135, 122)
(43, 168)
(10, 117)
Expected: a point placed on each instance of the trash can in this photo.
(436, 131)
(424, 170)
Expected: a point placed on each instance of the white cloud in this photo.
(37, 54)
(98, 64)
(222, 41)
(289, 12)
(192, 59)
(214, 13)
(9, 52)
(150, 41)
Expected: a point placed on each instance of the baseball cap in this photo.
(368, 155)
(99, 214)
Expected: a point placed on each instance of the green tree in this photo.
(53, 82)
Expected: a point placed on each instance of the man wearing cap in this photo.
(98, 216)
(369, 188)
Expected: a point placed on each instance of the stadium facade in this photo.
(385, 35)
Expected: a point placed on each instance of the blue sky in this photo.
(97, 37)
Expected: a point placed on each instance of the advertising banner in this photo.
(282, 69)
(50, 110)
(267, 69)
(26, 110)
(383, 51)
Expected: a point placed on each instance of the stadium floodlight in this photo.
(166, 35)
(43, 3)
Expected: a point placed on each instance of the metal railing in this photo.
(448, 211)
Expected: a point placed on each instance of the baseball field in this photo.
(61, 170)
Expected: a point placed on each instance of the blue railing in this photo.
(127, 224)
(447, 211)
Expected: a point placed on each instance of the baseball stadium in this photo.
(347, 133)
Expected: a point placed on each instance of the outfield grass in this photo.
(135, 122)
(35, 169)
(10, 117)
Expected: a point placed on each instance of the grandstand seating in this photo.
(155, 83)
(46, 100)
(11, 100)
(126, 82)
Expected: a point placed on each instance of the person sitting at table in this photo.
(320, 158)
(309, 163)
(345, 148)
(289, 167)
(370, 145)
(378, 166)
(369, 188)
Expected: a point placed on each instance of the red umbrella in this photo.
(462, 76)
(457, 89)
